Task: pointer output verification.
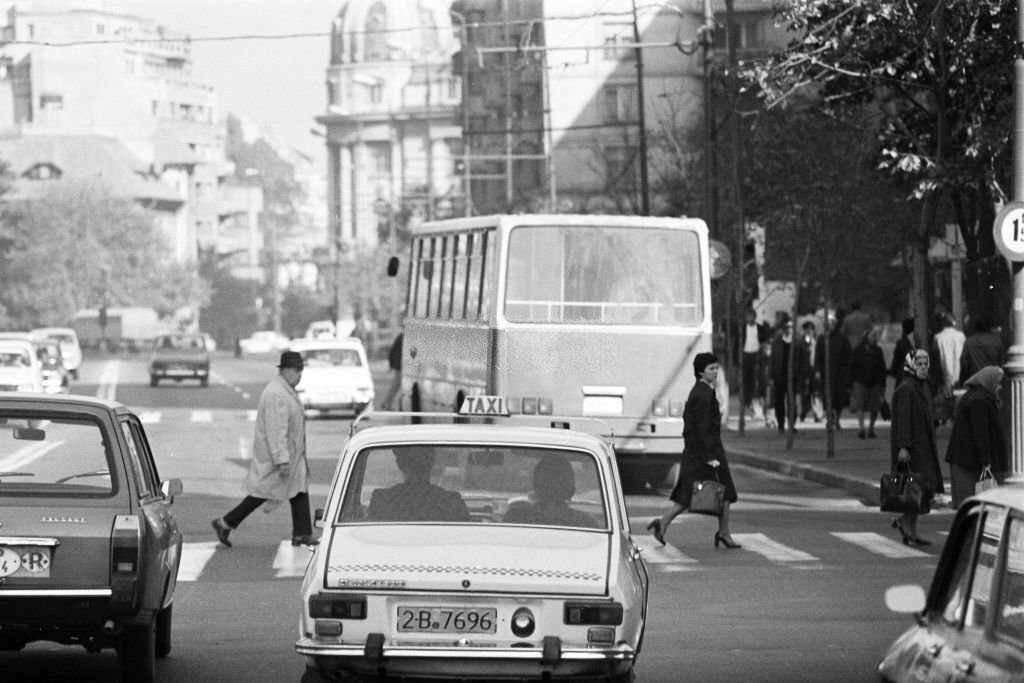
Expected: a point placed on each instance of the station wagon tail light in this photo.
(675, 408)
(601, 635)
(671, 408)
(593, 613)
(325, 606)
(124, 545)
(658, 409)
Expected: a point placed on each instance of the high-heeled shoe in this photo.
(655, 528)
(920, 542)
(904, 536)
(726, 541)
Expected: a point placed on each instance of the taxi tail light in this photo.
(601, 635)
(125, 558)
(323, 606)
(675, 408)
(658, 408)
(593, 613)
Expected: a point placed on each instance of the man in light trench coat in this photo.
(278, 469)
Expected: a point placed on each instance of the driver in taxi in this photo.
(553, 487)
(416, 499)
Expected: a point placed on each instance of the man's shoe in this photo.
(222, 530)
(305, 539)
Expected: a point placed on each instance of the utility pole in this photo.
(645, 193)
(710, 165)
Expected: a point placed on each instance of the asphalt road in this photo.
(802, 601)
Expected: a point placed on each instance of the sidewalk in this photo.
(856, 467)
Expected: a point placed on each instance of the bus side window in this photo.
(444, 291)
(418, 283)
(473, 271)
(455, 298)
(487, 265)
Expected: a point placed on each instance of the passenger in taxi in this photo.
(416, 499)
(553, 487)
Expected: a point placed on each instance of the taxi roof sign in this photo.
(484, 405)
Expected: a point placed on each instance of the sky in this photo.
(276, 83)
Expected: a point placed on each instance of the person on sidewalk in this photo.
(913, 437)
(948, 345)
(867, 370)
(755, 336)
(977, 440)
(703, 455)
(837, 381)
(803, 373)
(780, 372)
(278, 469)
(856, 324)
(904, 345)
(982, 348)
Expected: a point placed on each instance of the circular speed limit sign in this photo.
(1008, 231)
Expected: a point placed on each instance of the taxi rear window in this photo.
(45, 455)
(475, 484)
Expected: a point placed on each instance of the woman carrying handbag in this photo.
(703, 456)
(913, 438)
(977, 441)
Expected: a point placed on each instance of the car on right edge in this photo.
(473, 547)
(969, 625)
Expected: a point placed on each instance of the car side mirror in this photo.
(318, 518)
(171, 488)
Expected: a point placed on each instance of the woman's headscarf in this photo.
(909, 365)
(988, 378)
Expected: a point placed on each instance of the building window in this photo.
(376, 93)
(51, 102)
(380, 157)
(618, 163)
(749, 31)
(375, 41)
(620, 103)
(332, 93)
(615, 35)
(101, 29)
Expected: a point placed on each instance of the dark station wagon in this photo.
(89, 551)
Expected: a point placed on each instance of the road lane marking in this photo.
(150, 417)
(771, 549)
(107, 388)
(291, 560)
(878, 544)
(244, 450)
(201, 416)
(194, 557)
(667, 555)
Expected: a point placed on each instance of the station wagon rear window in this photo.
(45, 454)
(329, 358)
(475, 484)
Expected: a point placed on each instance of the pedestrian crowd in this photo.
(835, 363)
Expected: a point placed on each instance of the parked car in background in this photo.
(20, 367)
(178, 357)
(70, 349)
(264, 341)
(211, 343)
(473, 552)
(336, 375)
(89, 550)
(969, 626)
(321, 329)
(56, 377)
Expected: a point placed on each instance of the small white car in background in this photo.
(20, 367)
(336, 376)
(70, 349)
(473, 551)
(264, 341)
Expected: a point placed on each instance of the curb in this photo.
(863, 489)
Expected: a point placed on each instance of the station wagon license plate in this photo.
(25, 561)
(447, 619)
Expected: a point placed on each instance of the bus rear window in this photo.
(612, 275)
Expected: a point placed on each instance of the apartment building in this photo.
(86, 68)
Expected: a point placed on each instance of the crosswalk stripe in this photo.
(194, 557)
(878, 544)
(771, 549)
(202, 416)
(655, 553)
(291, 560)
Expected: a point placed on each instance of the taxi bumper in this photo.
(487, 663)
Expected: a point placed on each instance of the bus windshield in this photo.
(600, 274)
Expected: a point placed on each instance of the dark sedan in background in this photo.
(178, 357)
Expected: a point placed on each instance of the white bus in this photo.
(572, 315)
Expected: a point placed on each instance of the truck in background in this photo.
(128, 328)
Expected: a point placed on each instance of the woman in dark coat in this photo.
(977, 440)
(703, 453)
(913, 436)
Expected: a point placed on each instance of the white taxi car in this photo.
(20, 367)
(473, 551)
(336, 375)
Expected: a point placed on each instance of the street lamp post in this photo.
(1015, 366)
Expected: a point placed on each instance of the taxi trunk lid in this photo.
(468, 559)
(79, 558)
